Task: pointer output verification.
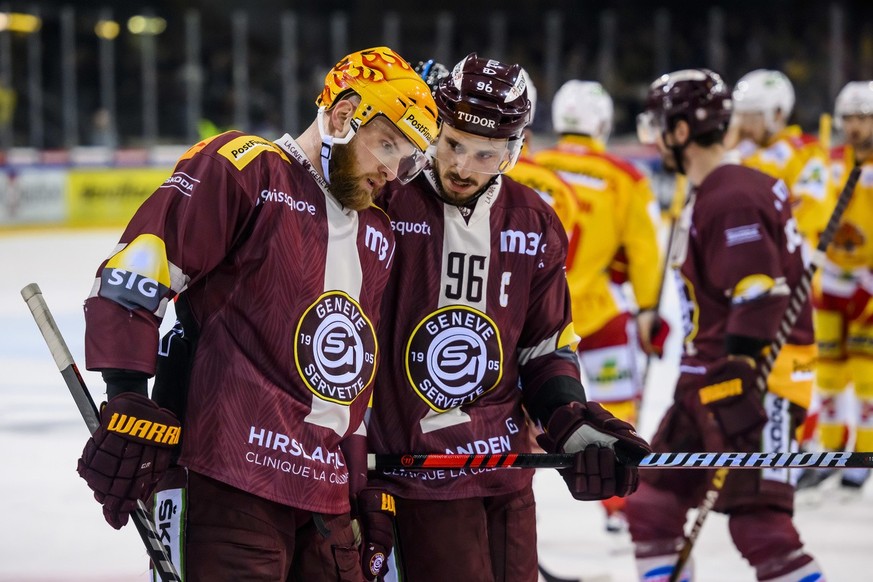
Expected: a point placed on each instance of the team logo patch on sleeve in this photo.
(335, 348)
(242, 150)
(755, 286)
(138, 275)
(453, 357)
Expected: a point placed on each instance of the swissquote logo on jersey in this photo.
(335, 348)
(138, 275)
(453, 357)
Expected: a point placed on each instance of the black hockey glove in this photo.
(736, 402)
(128, 453)
(602, 444)
(376, 516)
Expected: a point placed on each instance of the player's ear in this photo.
(340, 116)
(682, 131)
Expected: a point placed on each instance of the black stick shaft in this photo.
(70, 373)
(705, 460)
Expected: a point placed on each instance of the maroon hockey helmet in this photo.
(698, 96)
(484, 97)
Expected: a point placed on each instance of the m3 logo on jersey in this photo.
(453, 357)
(138, 275)
(335, 348)
(377, 242)
(523, 243)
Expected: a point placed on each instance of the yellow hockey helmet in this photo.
(388, 86)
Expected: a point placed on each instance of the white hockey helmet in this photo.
(856, 98)
(765, 91)
(582, 107)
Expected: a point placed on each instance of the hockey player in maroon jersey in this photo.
(476, 325)
(278, 259)
(737, 255)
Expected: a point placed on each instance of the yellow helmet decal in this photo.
(388, 86)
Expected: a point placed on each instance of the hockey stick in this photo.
(799, 295)
(675, 210)
(705, 460)
(549, 577)
(70, 373)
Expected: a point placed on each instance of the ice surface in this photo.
(53, 530)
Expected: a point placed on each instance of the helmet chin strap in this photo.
(677, 152)
(328, 141)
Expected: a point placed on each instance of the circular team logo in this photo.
(453, 357)
(335, 348)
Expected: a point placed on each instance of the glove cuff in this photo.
(137, 418)
(371, 499)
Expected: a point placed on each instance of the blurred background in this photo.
(123, 84)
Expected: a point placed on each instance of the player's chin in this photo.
(364, 196)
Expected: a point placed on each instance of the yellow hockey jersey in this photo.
(615, 209)
(801, 162)
(852, 247)
(551, 188)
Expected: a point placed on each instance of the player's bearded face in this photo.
(859, 131)
(751, 126)
(348, 184)
(466, 163)
(457, 185)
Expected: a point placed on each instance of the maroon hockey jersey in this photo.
(476, 312)
(284, 285)
(741, 257)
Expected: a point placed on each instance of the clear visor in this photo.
(465, 151)
(392, 148)
(648, 127)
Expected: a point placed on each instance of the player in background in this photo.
(278, 259)
(763, 102)
(844, 312)
(738, 256)
(547, 183)
(555, 191)
(478, 332)
(616, 215)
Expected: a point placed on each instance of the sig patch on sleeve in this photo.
(138, 275)
(242, 150)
